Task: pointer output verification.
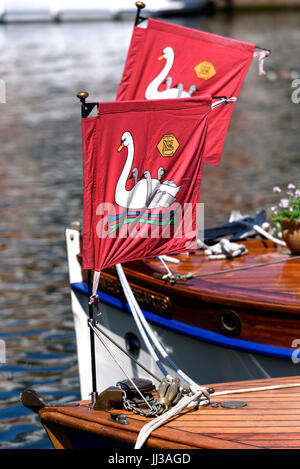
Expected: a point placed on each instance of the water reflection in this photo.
(44, 66)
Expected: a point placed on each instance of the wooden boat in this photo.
(239, 317)
(262, 419)
(219, 321)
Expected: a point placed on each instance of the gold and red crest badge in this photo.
(205, 70)
(167, 145)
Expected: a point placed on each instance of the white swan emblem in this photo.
(146, 193)
(178, 92)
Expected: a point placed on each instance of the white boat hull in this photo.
(202, 361)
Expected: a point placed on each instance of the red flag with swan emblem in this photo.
(141, 169)
(170, 61)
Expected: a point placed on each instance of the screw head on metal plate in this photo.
(233, 404)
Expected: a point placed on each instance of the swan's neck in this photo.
(121, 185)
(153, 86)
(149, 191)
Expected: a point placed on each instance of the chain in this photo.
(132, 407)
(159, 406)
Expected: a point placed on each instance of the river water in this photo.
(44, 66)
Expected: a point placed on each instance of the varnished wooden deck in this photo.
(270, 420)
(274, 285)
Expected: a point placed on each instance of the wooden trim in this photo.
(59, 421)
(57, 436)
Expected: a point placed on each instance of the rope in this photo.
(267, 235)
(247, 267)
(169, 273)
(144, 326)
(118, 363)
(94, 298)
(227, 249)
(127, 354)
(134, 309)
(189, 401)
(170, 259)
(261, 54)
(261, 388)
(224, 249)
(185, 402)
(223, 101)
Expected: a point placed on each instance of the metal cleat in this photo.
(169, 394)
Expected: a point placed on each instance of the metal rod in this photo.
(247, 267)
(83, 95)
(126, 353)
(120, 366)
(94, 393)
(86, 108)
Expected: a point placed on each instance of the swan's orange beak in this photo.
(121, 147)
(161, 57)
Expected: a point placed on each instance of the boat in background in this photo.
(20, 11)
(238, 317)
(76, 10)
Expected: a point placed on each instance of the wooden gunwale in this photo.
(242, 288)
(237, 289)
(271, 419)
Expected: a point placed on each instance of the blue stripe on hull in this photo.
(192, 331)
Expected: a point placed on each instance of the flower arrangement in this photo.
(288, 208)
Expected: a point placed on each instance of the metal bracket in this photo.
(33, 401)
(86, 108)
(118, 418)
(110, 398)
(139, 19)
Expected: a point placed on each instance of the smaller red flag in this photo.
(169, 61)
(142, 168)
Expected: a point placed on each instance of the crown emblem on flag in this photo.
(205, 70)
(167, 145)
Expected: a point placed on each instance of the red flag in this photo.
(141, 169)
(212, 64)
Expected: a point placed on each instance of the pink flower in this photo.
(297, 193)
(284, 203)
(291, 186)
(276, 189)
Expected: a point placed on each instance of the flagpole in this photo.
(94, 394)
(138, 18)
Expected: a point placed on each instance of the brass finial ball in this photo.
(82, 95)
(140, 5)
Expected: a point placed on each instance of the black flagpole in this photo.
(138, 18)
(85, 110)
(94, 393)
